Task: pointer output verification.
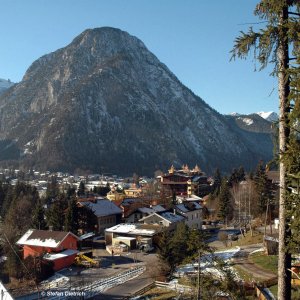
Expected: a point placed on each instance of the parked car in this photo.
(146, 248)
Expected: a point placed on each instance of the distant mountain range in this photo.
(252, 123)
(104, 103)
(270, 116)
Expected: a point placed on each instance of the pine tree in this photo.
(263, 189)
(38, 218)
(241, 174)
(71, 219)
(81, 189)
(217, 182)
(233, 179)
(179, 243)
(271, 44)
(87, 221)
(225, 207)
(52, 189)
(195, 242)
(164, 252)
(71, 191)
(8, 198)
(56, 214)
(236, 176)
(2, 196)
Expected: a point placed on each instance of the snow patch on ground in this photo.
(208, 264)
(57, 280)
(258, 250)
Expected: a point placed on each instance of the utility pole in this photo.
(266, 217)
(199, 276)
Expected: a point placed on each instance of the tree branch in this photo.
(253, 23)
(293, 13)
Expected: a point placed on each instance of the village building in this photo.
(165, 219)
(185, 182)
(133, 192)
(60, 247)
(124, 237)
(192, 211)
(108, 214)
(115, 195)
(130, 205)
(142, 212)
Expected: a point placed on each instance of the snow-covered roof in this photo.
(190, 198)
(125, 238)
(66, 253)
(182, 207)
(190, 206)
(151, 210)
(103, 208)
(135, 229)
(172, 218)
(43, 238)
(86, 236)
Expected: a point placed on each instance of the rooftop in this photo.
(135, 229)
(43, 238)
(151, 210)
(103, 208)
(54, 256)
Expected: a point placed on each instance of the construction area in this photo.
(96, 272)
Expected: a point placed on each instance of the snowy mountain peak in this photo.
(269, 116)
(235, 114)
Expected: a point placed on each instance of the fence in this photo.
(95, 288)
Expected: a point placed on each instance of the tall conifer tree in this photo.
(271, 44)
(225, 207)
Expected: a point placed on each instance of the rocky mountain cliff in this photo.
(104, 103)
(4, 85)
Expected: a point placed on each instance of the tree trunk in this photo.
(284, 257)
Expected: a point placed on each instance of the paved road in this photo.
(242, 260)
(136, 284)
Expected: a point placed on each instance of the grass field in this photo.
(256, 238)
(160, 294)
(267, 262)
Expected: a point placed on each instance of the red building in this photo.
(57, 246)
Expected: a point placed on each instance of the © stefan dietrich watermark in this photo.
(63, 294)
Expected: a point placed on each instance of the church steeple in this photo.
(171, 170)
(197, 169)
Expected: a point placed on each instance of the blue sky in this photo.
(192, 37)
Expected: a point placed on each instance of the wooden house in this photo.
(60, 247)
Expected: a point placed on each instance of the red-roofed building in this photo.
(57, 246)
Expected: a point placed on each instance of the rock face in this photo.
(4, 85)
(105, 103)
